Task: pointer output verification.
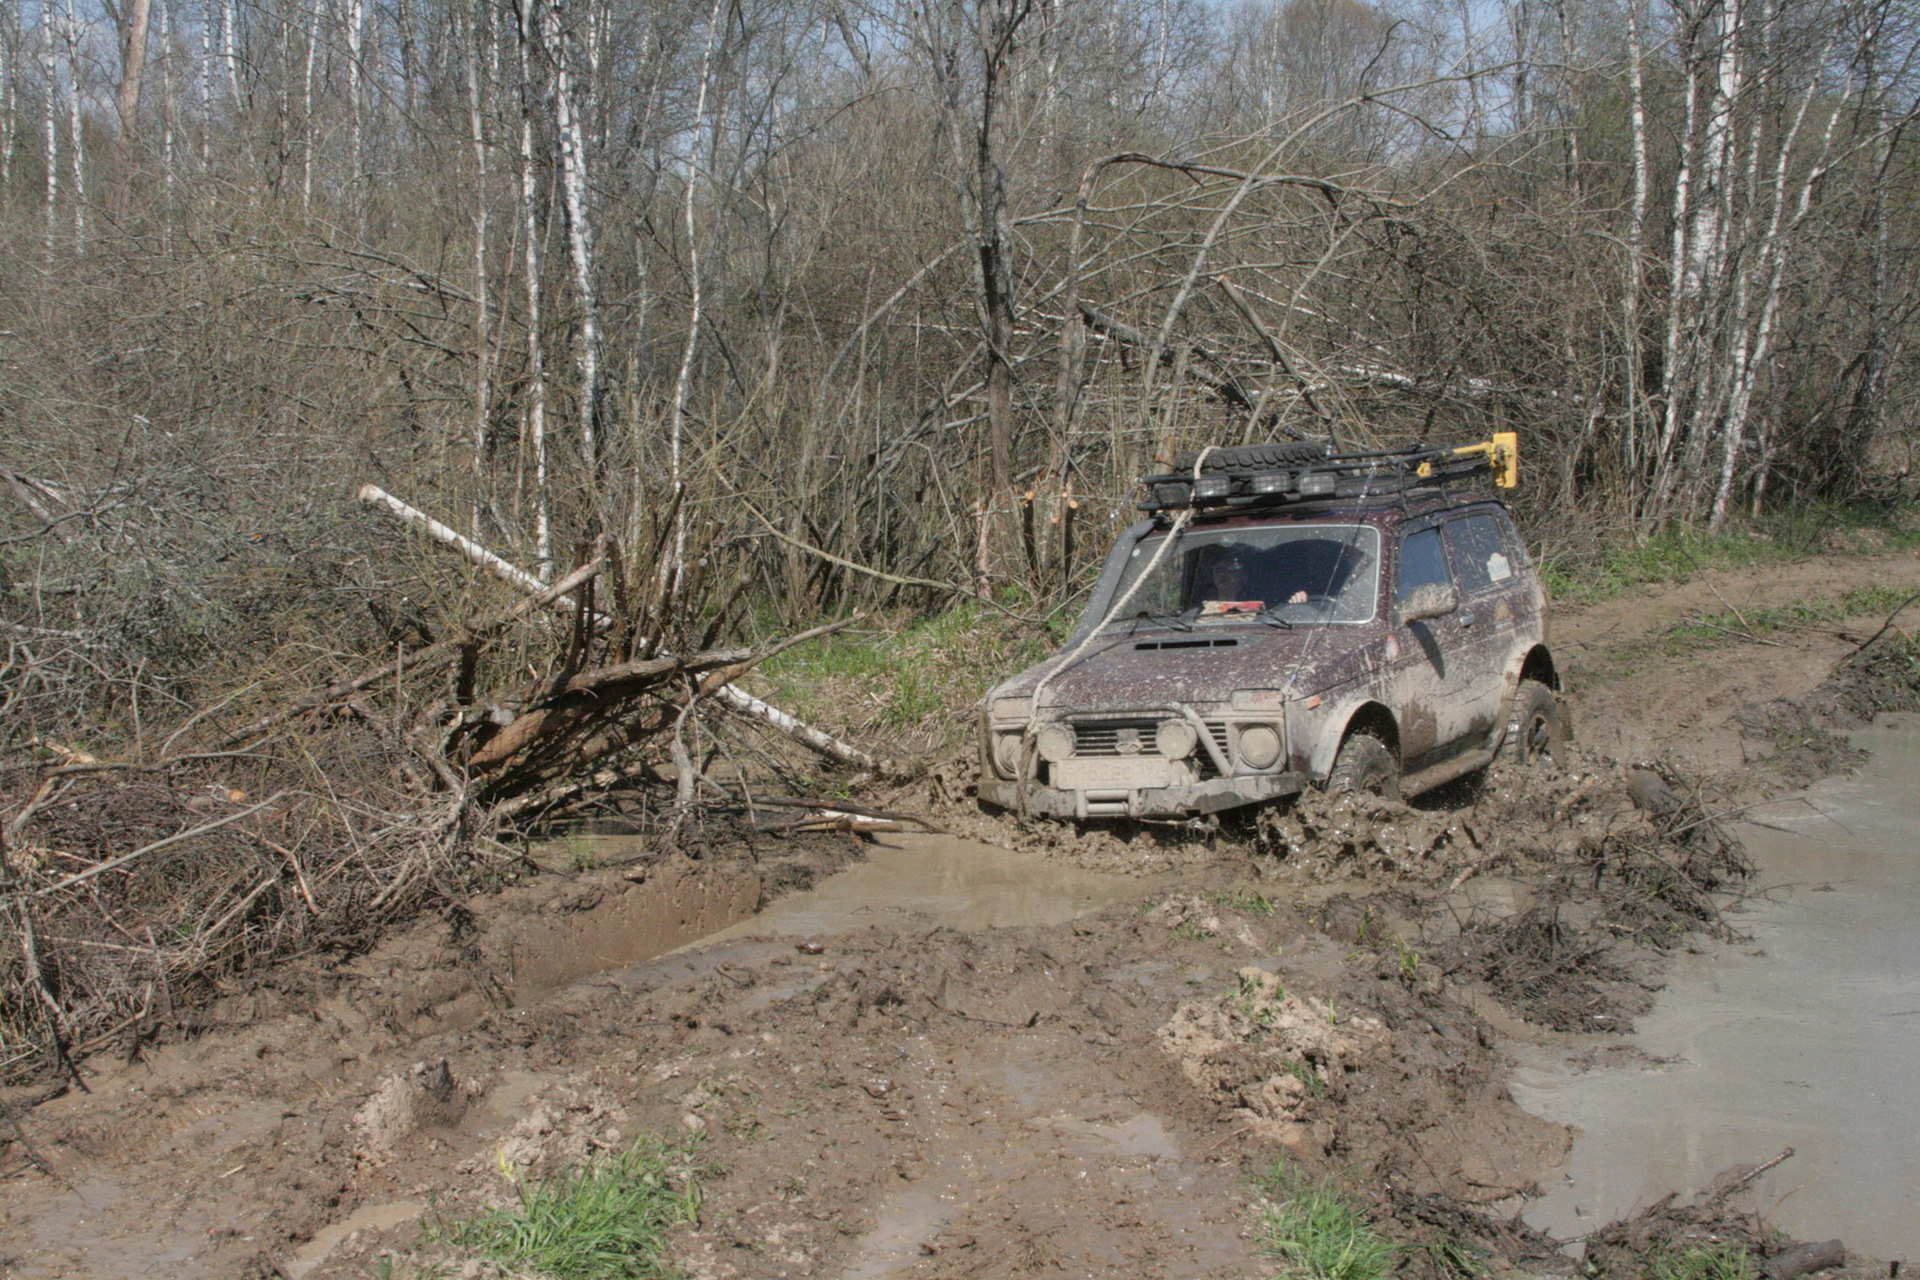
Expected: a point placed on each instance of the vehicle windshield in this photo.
(1296, 575)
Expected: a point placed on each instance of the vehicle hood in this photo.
(1198, 667)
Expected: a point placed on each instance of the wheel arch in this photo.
(1537, 664)
(1369, 716)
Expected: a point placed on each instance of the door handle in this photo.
(1466, 619)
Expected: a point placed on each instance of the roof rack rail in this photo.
(1343, 475)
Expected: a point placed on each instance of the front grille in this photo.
(1103, 738)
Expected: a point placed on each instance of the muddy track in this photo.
(1083, 1097)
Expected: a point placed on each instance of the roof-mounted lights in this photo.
(1316, 484)
(1207, 487)
(1272, 482)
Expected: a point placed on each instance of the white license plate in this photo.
(1135, 774)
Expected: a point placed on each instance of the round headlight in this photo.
(1176, 739)
(1259, 746)
(1056, 743)
(1006, 754)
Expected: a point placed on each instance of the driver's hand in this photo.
(1298, 597)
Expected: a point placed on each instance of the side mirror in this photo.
(1430, 600)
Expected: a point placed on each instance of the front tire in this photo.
(1535, 726)
(1365, 764)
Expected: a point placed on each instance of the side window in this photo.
(1421, 562)
(1480, 553)
(1516, 546)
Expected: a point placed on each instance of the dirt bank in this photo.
(1331, 984)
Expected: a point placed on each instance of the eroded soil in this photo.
(909, 1098)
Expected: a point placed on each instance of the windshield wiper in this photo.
(1163, 619)
(1272, 619)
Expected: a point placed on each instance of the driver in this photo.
(1226, 579)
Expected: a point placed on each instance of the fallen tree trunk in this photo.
(420, 659)
(723, 692)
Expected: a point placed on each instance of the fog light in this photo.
(1006, 754)
(1056, 743)
(1176, 739)
(1173, 495)
(1316, 486)
(1272, 482)
(1259, 746)
(1212, 487)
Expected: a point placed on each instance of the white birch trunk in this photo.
(1772, 258)
(51, 76)
(230, 49)
(356, 19)
(482, 352)
(574, 193)
(10, 31)
(76, 136)
(1636, 247)
(166, 115)
(204, 76)
(1673, 375)
(536, 356)
(676, 429)
(306, 109)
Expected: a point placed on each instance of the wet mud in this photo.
(1024, 1049)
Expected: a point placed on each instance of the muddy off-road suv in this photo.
(1288, 617)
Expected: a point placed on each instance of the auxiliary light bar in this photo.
(1342, 475)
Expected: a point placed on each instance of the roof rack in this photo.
(1341, 475)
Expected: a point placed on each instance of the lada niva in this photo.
(1287, 617)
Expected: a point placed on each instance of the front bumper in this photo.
(1211, 796)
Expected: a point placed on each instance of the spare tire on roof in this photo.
(1253, 457)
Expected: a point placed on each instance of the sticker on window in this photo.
(1498, 570)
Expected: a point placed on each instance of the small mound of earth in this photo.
(1266, 1053)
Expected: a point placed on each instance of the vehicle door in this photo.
(1484, 574)
(1423, 664)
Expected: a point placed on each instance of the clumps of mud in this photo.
(1546, 886)
(422, 1097)
(1269, 1053)
(1806, 732)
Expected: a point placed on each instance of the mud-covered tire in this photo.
(1365, 764)
(1253, 457)
(1535, 725)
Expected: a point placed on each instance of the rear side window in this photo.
(1480, 553)
(1422, 562)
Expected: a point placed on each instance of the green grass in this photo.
(916, 673)
(603, 1219)
(1675, 556)
(1318, 1233)
(1245, 901)
(1702, 1262)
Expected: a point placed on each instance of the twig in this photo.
(1888, 624)
(1741, 1181)
(158, 845)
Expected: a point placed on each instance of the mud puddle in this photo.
(1807, 1036)
(959, 883)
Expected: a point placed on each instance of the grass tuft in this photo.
(1702, 1262)
(1318, 1233)
(606, 1219)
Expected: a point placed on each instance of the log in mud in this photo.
(1118, 1066)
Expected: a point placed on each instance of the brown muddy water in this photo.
(940, 879)
(1805, 1036)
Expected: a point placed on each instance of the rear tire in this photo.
(1535, 726)
(1365, 764)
